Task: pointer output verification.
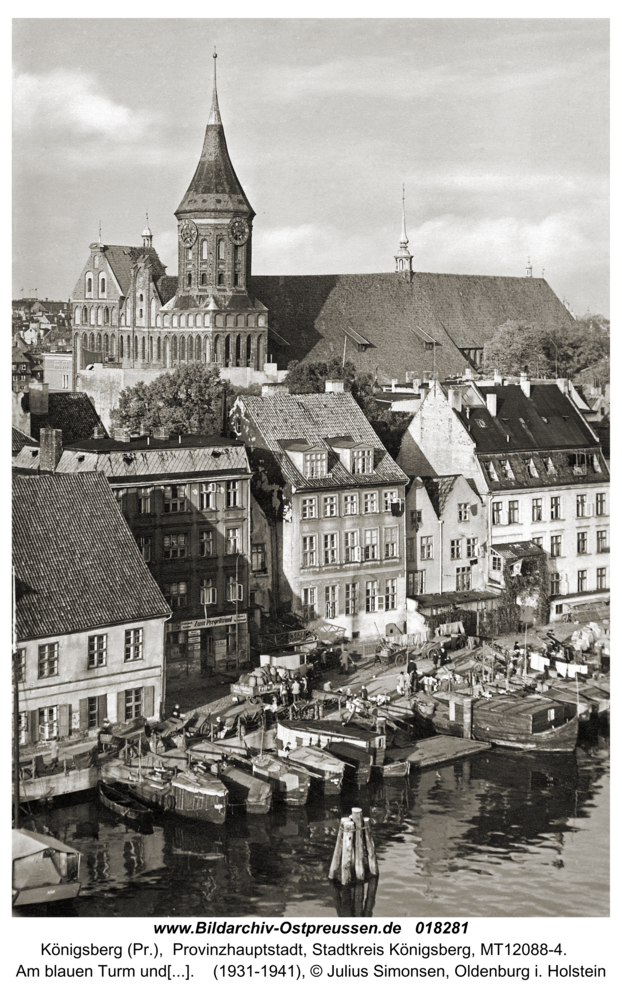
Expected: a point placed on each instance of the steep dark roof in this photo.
(71, 412)
(122, 259)
(316, 418)
(77, 565)
(314, 313)
(439, 490)
(19, 439)
(167, 287)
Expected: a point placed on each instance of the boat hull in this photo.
(246, 790)
(563, 739)
(47, 894)
(289, 784)
(117, 801)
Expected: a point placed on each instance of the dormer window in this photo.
(507, 470)
(530, 466)
(362, 461)
(315, 463)
(550, 468)
(492, 472)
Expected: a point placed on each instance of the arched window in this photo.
(142, 350)
(141, 297)
(182, 319)
(102, 286)
(240, 320)
(167, 352)
(85, 315)
(99, 341)
(175, 319)
(190, 319)
(113, 344)
(249, 350)
(189, 279)
(153, 312)
(113, 316)
(190, 349)
(259, 360)
(189, 253)
(206, 320)
(100, 316)
(174, 348)
(151, 348)
(121, 346)
(236, 279)
(182, 348)
(217, 349)
(198, 319)
(159, 349)
(92, 342)
(106, 345)
(88, 284)
(221, 278)
(92, 316)
(203, 277)
(207, 357)
(128, 314)
(158, 320)
(221, 249)
(227, 351)
(229, 320)
(135, 348)
(77, 315)
(167, 320)
(106, 315)
(238, 357)
(203, 254)
(84, 342)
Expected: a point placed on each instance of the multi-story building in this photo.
(333, 503)
(539, 468)
(89, 618)
(186, 500)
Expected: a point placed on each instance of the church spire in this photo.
(214, 115)
(403, 259)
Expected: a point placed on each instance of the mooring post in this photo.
(359, 866)
(335, 865)
(371, 897)
(371, 850)
(359, 899)
(347, 857)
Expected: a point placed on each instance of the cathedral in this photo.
(128, 314)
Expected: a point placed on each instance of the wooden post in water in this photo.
(371, 849)
(354, 857)
(347, 857)
(467, 716)
(335, 866)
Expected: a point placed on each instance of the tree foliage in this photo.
(565, 351)
(184, 400)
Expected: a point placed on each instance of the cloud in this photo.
(303, 249)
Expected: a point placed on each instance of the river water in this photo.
(500, 834)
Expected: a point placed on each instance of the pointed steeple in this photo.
(215, 188)
(403, 259)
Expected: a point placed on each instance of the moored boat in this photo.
(326, 771)
(357, 761)
(202, 798)
(117, 797)
(245, 789)
(44, 869)
(321, 732)
(520, 721)
(289, 784)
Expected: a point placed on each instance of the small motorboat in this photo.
(119, 800)
(44, 869)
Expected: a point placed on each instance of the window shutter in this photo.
(148, 698)
(64, 720)
(120, 706)
(473, 510)
(33, 718)
(102, 708)
(84, 713)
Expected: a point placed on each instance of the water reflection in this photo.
(482, 836)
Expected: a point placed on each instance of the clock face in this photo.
(188, 233)
(239, 231)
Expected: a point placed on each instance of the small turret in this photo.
(403, 259)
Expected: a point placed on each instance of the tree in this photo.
(184, 400)
(310, 376)
(516, 347)
(564, 351)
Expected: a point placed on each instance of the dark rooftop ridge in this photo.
(173, 443)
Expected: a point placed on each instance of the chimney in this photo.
(525, 384)
(393, 385)
(497, 378)
(51, 448)
(423, 392)
(416, 384)
(562, 384)
(455, 399)
(99, 432)
(39, 397)
(491, 403)
(161, 433)
(468, 374)
(333, 386)
(122, 434)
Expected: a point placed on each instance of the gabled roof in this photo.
(77, 565)
(439, 490)
(122, 259)
(517, 550)
(317, 313)
(167, 287)
(316, 418)
(19, 440)
(71, 412)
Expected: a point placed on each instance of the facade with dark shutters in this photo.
(89, 618)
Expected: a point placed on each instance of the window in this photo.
(48, 723)
(232, 541)
(429, 345)
(351, 545)
(89, 286)
(309, 550)
(530, 467)
(471, 548)
(258, 557)
(581, 501)
(207, 496)
(65, 381)
(556, 508)
(19, 665)
(463, 578)
(463, 512)
(330, 602)
(582, 543)
(352, 596)
(581, 581)
(330, 548)
(176, 645)
(309, 508)
(235, 590)
(133, 644)
(513, 512)
(371, 596)
(389, 497)
(315, 464)
(98, 651)
(176, 593)
(492, 473)
(48, 659)
(209, 594)
(175, 546)
(350, 503)
(538, 539)
(231, 638)
(600, 503)
(23, 727)
(362, 460)
(601, 541)
(536, 510)
(144, 544)
(390, 543)
(420, 581)
(411, 549)
(601, 578)
(309, 600)
(426, 547)
(390, 595)
(102, 284)
(370, 548)
(133, 703)
(507, 470)
(233, 493)
(415, 518)
(556, 545)
(456, 548)
(496, 512)
(370, 503)
(206, 543)
(144, 500)
(330, 506)
(497, 564)
(174, 499)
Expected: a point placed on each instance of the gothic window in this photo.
(208, 351)
(217, 350)
(182, 348)
(249, 349)
(92, 342)
(112, 344)
(121, 347)
(259, 359)
(158, 350)
(221, 249)
(158, 320)
(203, 253)
(182, 319)
(77, 315)
(99, 341)
(106, 345)
(142, 349)
(100, 316)
(113, 316)
(85, 314)
(174, 348)
(237, 351)
(89, 285)
(189, 279)
(106, 315)
(102, 286)
(190, 319)
(198, 319)
(227, 350)
(92, 316)
(203, 278)
(167, 355)
(190, 348)
(135, 348)
(153, 312)
(175, 319)
(167, 320)
(84, 342)
(221, 278)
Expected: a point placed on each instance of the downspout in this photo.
(163, 698)
(440, 546)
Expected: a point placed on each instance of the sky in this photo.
(497, 128)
